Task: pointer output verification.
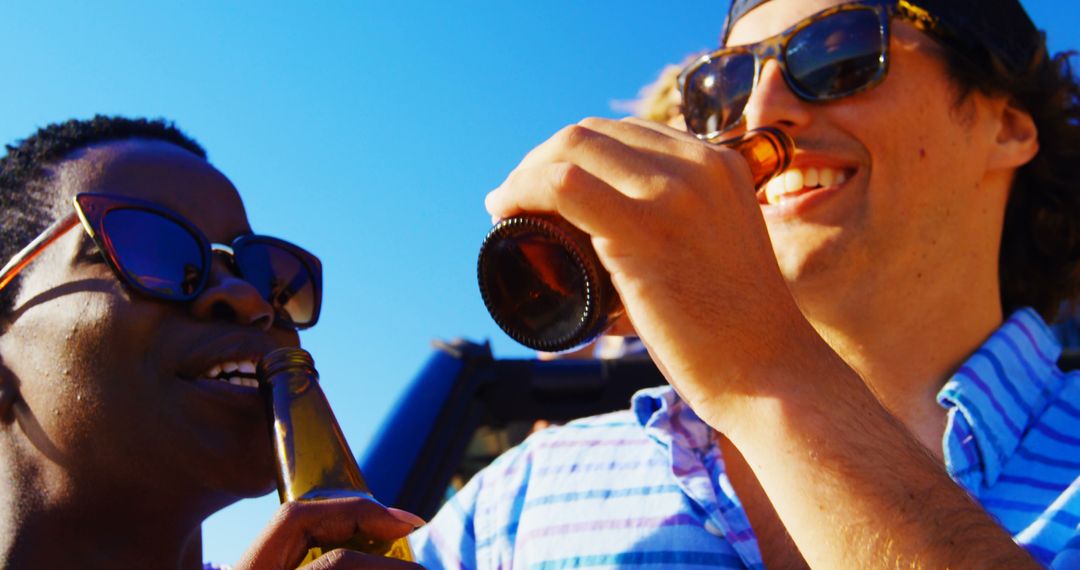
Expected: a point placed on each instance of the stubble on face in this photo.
(912, 218)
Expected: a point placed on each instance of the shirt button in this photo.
(712, 528)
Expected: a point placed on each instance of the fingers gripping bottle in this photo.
(540, 277)
(313, 460)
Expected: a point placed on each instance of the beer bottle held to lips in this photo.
(540, 277)
(313, 460)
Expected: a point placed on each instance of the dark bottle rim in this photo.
(586, 325)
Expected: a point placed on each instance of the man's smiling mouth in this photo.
(795, 181)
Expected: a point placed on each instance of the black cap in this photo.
(1001, 29)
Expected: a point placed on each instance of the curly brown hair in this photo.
(1039, 259)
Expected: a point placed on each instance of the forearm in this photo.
(851, 485)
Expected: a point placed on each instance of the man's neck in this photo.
(906, 356)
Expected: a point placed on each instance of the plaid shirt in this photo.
(647, 487)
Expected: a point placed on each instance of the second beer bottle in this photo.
(540, 277)
(313, 460)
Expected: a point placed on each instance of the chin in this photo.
(260, 478)
(808, 269)
(805, 249)
(218, 499)
(819, 270)
(241, 485)
(257, 489)
(243, 474)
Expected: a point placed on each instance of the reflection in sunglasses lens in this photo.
(832, 57)
(154, 252)
(281, 278)
(716, 93)
(837, 55)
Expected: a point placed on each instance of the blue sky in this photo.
(367, 132)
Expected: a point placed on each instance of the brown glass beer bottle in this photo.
(313, 460)
(540, 277)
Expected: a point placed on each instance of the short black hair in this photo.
(28, 203)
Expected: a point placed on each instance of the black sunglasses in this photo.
(160, 254)
(833, 54)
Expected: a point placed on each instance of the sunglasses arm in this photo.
(31, 251)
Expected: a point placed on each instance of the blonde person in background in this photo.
(660, 100)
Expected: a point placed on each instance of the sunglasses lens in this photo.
(838, 55)
(282, 278)
(716, 92)
(154, 253)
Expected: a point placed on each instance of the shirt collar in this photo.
(991, 401)
(667, 419)
(995, 397)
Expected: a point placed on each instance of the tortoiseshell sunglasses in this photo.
(833, 54)
(160, 254)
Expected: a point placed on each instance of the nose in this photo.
(773, 103)
(230, 298)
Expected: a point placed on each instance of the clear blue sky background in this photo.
(368, 132)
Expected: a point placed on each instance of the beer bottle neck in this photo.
(313, 458)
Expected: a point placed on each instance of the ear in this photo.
(1017, 138)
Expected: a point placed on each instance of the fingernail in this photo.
(406, 517)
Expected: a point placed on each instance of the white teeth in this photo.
(249, 382)
(233, 372)
(774, 190)
(795, 180)
(826, 177)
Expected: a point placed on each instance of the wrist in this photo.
(799, 383)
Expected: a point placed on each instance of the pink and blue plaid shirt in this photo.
(647, 487)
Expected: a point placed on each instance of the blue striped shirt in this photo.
(647, 487)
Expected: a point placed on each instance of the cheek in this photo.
(925, 133)
(89, 368)
(919, 151)
(114, 335)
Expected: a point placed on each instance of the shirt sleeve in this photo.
(449, 540)
(476, 528)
